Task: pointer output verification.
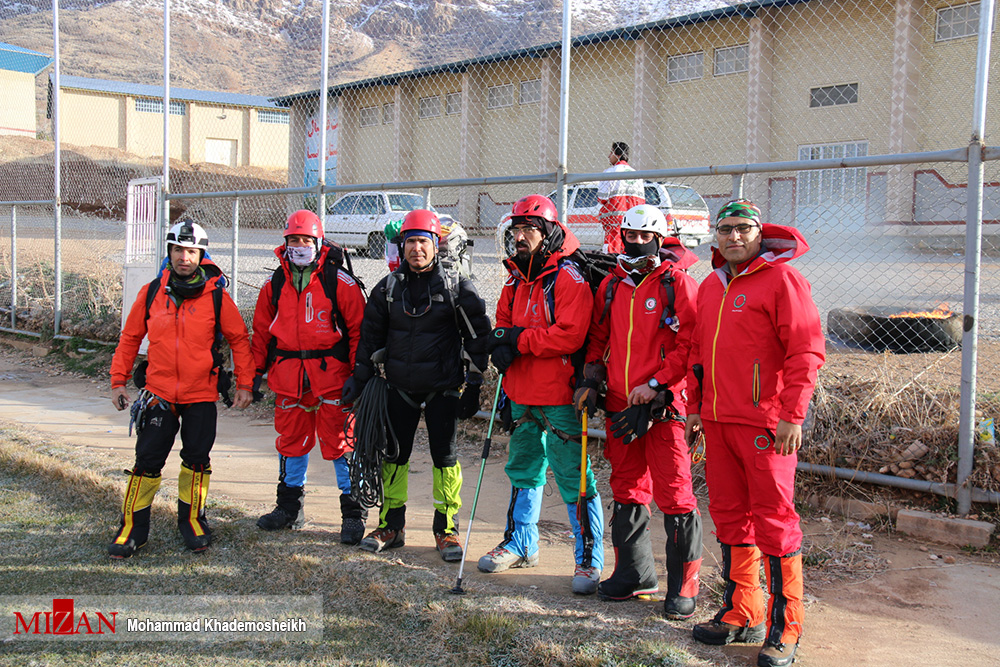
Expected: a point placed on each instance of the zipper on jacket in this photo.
(715, 341)
(756, 383)
(628, 339)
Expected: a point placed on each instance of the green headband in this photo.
(739, 208)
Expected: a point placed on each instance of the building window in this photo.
(429, 107)
(388, 113)
(829, 96)
(498, 97)
(955, 22)
(731, 60)
(531, 92)
(453, 104)
(272, 117)
(148, 105)
(370, 116)
(830, 187)
(685, 67)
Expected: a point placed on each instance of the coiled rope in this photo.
(368, 423)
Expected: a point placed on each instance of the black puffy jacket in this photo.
(422, 344)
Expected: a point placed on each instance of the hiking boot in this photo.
(585, 580)
(351, 531)
(776, 655)
(278, 519)
(383, 538)
(500, 559)
(448, 546)
(718, 633)
(288, 511)
(678, 608)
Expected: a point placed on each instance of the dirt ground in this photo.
(908, 603)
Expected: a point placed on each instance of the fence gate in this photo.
(144, 239)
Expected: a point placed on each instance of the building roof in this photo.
(743, 10)
(179, 94)
(16, 59)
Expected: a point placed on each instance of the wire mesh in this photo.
(437, 92)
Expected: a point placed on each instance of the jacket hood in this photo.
(675, 252)
(779, 244)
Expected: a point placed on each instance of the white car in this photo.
(358, 219)
(680, 204)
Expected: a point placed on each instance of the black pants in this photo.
(441, 417)
(195, 421)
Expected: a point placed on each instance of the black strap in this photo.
(305, 354)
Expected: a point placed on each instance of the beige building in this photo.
(205, 126)
(18, 71)
(761, 82)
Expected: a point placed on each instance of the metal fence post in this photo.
(973, 262)
(427, 198)
(738, 186)
(57, 186)
(236, 251)
(13, 267)
(564, 113)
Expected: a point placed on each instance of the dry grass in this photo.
(884, 413)
(59, 509)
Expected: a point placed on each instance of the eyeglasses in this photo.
(527, 230)
(743, 229)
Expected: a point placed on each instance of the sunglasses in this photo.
(743, 229)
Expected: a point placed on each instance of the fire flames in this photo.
(941, 312)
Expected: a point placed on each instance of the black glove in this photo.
(468, 402)
(503, 336)
(585, 396)
(351, 391)
(631, 423)
(661, 408)
(258, 395)
(588, 388)
(503, 357)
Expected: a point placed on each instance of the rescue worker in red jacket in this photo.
(542, 318)
(759, 344)
(640, 335)
(616, 197)
(306, 344)
(180, 385)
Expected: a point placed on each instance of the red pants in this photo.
(657, 467)
(299, 421)
(751, 488)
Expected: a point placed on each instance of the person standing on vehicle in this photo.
(640, 335)
(181, 312)
(759, 344)
(616, 197)
(305, 333)
(422, 315)
(542, 319)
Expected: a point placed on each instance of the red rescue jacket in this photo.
(758, 337)
(305, 321)
(629, 339)
(180, 343)
(543, 373)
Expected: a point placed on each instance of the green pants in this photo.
(534, 447)
(447, 489)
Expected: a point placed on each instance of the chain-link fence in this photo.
(849, 120)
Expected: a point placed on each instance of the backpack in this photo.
(336, 258)
(454, 250)
(225, 378)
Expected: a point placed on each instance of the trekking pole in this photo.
(457, 590)
(582, 516)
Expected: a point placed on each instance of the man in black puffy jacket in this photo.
(422, 314)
